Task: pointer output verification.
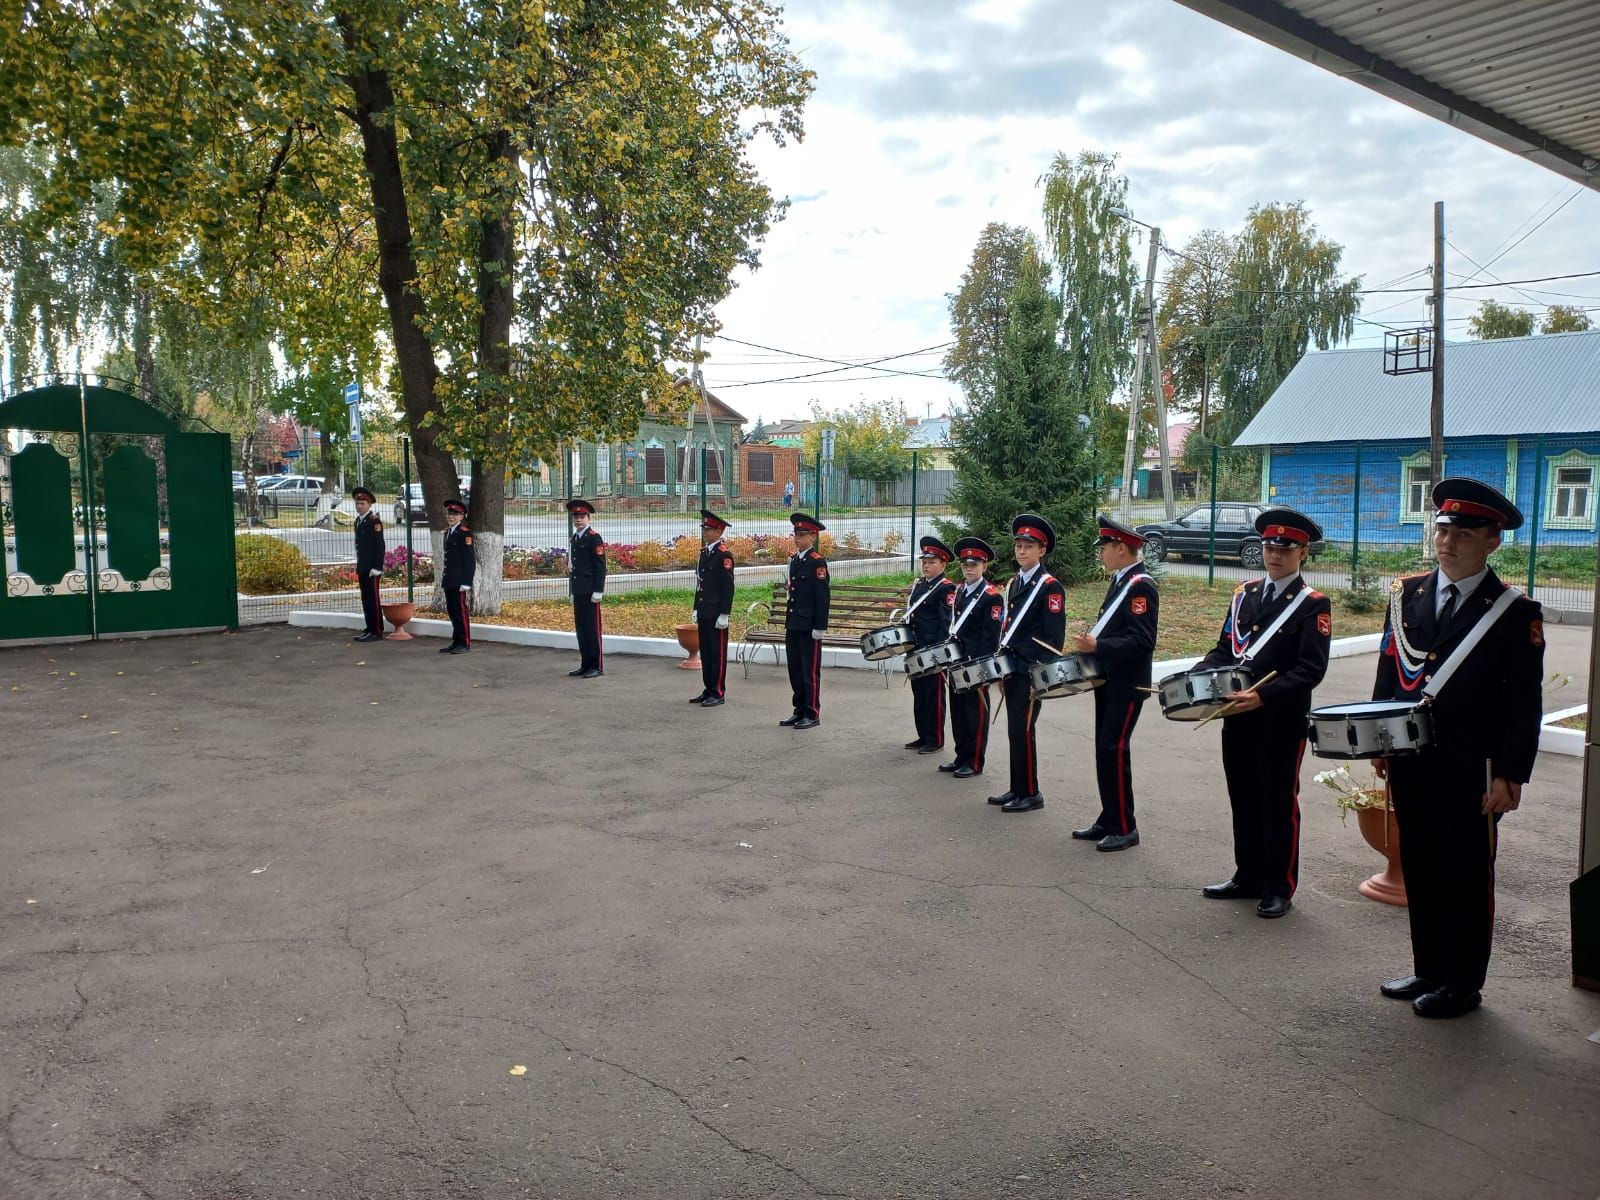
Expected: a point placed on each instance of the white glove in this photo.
(375, 572)
(694, 616)
(722, 621)
(817, 633)
(596, 597)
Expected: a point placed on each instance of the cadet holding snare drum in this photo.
(977, 614)
(928, 615)
(1279, 627)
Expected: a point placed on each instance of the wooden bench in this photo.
(852, 611)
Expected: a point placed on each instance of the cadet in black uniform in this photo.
(977, 611)
(713, 603)
(928, 614)
(1449, 797)
(805, 621)
(460, 568)
(1264, 737)
(1036, 611)
(369, 563)
(586, 581)
(1124, 647)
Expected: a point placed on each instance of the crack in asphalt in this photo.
(405, 1029)
(83, 1003)
(132, 950)
(70, 1161)
(688, 1107)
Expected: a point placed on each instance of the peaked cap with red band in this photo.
(1286, 527)
(932, 547)
(454, 506)
(710, 520)
(1035, 528)
(805, 523)
(974, 549)
(1111, 531)
(357, 492)
(1468, 503)
(580, 506)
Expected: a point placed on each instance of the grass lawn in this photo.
(1191, 612)
(1579, 722)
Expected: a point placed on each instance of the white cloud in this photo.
(932, 118)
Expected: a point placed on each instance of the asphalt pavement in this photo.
(290, 917)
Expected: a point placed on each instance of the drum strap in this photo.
(967, 611)
(1111, 609)
(1011, 625)
(1257, 646)
(921, 598)
(1470, 643)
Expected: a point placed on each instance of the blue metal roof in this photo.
(1505, 387)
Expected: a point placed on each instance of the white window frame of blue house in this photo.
(1423, 459)
(1573, 460)
(602, 469)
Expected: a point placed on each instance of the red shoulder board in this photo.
(1058, 602)
(1325, 624)
(1139, 606)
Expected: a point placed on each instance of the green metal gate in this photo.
(115, 520)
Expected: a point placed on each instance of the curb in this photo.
(1555, 740)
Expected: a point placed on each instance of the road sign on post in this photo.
(352, 404)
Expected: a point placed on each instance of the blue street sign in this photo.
(352, 402)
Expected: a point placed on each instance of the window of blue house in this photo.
(1415, 471)
(1569, 490)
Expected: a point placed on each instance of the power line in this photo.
(1498, 255)
(839, 364)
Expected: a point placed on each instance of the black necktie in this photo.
(1449, 609)
(1266, 600)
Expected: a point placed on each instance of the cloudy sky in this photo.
(932, 118)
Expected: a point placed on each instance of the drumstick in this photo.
(1059, 653)
(1226, 709)
(1152, 691)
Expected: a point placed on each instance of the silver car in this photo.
(294, 491)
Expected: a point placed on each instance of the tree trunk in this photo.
(144, 356)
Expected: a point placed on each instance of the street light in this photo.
(1148, 342)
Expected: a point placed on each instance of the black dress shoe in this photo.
(807, 723)
(460, 650)
(592, 673)
(1091, 833)
(1003, 798)
(712, 701)
(578, 674)
(949, 767)
(702, 697)
(1232, 890)
(930, 750)
(966, 772)
(1023, 803)
(1407, 987)
(447, 649)
(1118, 841)
(367, 636)
(1451, 1000)
(1274, 906)
(916, 745)
(789, 722)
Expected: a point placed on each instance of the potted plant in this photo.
(1369, 800)
(689, 639)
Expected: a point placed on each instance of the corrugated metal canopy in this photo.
(1505, 387)
(1525, 76)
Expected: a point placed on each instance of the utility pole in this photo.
(1161, 390)
(690, 462)
(1125, 509)
(1436, 408)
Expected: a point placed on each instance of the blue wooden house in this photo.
(1522, 414)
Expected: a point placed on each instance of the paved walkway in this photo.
(263, 939)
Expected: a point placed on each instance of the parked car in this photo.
(411, 495)
(1190, 534)
(293, 491)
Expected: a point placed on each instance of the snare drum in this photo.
(932, 658)
(1070, 675)
(980, 672)
(1370, 729)
(886, 641)
(1200, 693)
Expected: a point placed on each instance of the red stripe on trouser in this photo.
(1494, 852)
(816, 677)
(722, 673)
(1033, 755)
(983, 729)
(938, 711)
(599, 638)
(1122, 774)
(466, 619)
(1293, 875)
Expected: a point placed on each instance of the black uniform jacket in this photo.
(808, 592)
(1298, 652)
(369, 543)
(930, 624)
(1046, 618)
(713, 582)
(1128, 642)
(1491, 706)
(979, 634)
(586, 567)
(460, 563)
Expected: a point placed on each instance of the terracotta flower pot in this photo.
(689, 639)
(397, 615)
(1382, 832)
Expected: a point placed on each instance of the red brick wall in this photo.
(785, 466)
